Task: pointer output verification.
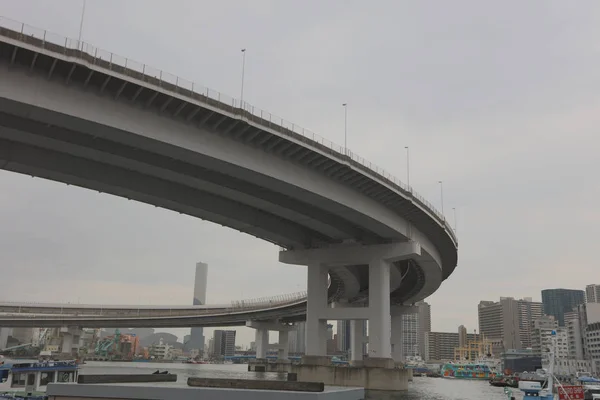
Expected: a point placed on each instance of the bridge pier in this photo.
(70, 339)
(260, 364)
(396, 313)
(378, 371)
(357, 340)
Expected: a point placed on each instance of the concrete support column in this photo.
(316, 328)
(357, 340)
(67, 343)
(379, 310)
(397, 353)
(262, 343)
(284, 345)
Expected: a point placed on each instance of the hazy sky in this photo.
(500, 100)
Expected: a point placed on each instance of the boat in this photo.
(535, 390)
(477, 371)
(28, 380)
(591, 387)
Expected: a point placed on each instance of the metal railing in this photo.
(72, 310)
(90, 54)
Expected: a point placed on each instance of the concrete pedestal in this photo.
(258, 365)
(262, 365)
(370, 378)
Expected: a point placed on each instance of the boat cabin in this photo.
(33, 377)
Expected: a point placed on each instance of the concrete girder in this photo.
(264, 139)
(70, 73)
(151, 99)
(205, 118)
(180, 108)
(211, 179)
(219, 122)
(351, 254)
(87, 79)
(275, 326)
(166, 104)
(133, 185)
(232, 125)
(252, 135)
(137, 93)
(106, 80)
(33, 60)
(120, 90)
(273, 143)
(193, 113)
(52, 66)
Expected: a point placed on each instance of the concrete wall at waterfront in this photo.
(391, 379)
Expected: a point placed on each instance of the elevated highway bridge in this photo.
(76, 114)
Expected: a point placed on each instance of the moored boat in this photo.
(28, 380)
(477, 371)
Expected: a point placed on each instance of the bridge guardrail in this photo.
(245, 111)
(104, 311)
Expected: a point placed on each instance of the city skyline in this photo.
(105, 249)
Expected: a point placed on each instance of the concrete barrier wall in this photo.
(368, 378)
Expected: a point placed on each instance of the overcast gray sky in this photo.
(500, 100)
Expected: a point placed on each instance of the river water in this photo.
(419, 389)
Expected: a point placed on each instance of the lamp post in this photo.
(79, 44)
(243, 72)
(442, 197)
(407, 166)
(454, 210)
(345, 105)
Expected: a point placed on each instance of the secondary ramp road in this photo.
(73, 113)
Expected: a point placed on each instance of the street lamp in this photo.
(407, 166)
(454, 210)
(243, 71)
(80, 45)
(345, 105)
(442, 197)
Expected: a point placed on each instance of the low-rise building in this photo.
(160, 351)
(545, 331)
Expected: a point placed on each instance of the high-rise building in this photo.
(529, 311)
(223, 343)
(424, 325)
(574, 336)
(592, 294)
(440, 346)
(462, 336)
(196, 340)
(413, 328)
(343, 335)
(559, 301)
(343, 339)
(499, 322)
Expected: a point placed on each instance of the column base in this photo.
(316, 360)
(357, 363)
(375, 362)
(258, 365)
(370, 378)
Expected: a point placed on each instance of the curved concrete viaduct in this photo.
(77, 115)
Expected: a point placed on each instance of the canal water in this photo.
(419, 389)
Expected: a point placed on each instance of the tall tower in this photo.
(592, 294)
(197, 334)
(559, 301)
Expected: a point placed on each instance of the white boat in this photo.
(29, 379)
(536, 390)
